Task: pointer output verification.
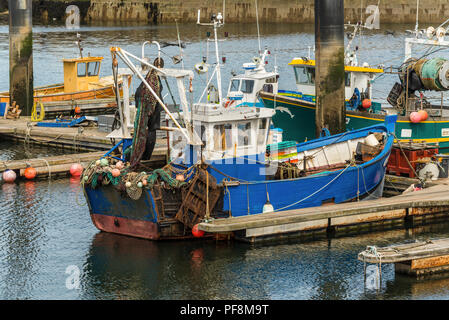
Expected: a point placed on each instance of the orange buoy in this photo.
(30, 173)
(196, 232)
(115, 172)
(76, 170)
(180, 177)
(77, 110)
(424, 115)
(366, 103)
(9, 176)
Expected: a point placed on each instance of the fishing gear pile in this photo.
(123, 177)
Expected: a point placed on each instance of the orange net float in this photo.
(196, 232)
(366, 103)
(30, 173)
(76, 170)
(423, 114)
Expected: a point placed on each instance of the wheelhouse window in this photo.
(247, 86)
(93, 68)
(262, 132)
(235, 84)
(305, 75)
(267, 88)
(244, 134)
(222, 137)
(203, 136)
(81, 69)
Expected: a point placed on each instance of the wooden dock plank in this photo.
(434, 196)
(89, 138)
(62, 163)
(50, 161)
(7, 129)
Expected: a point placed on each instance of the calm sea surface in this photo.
(47, 237)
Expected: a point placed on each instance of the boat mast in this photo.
(216, 23)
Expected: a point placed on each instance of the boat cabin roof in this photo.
(255, 76)
(85, 59)
(206, 112)
(302, 62)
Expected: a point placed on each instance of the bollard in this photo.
(21, 54)
(329, 71)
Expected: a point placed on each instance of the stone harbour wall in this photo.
(287, 11)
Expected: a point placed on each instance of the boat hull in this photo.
(57, 94)
(297, 118)
(154, 215)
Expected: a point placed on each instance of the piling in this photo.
(21, 54)
(330, 73)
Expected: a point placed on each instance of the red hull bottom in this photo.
(124, 226)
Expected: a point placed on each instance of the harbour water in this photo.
(48, 242)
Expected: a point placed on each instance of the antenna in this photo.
(179, 44)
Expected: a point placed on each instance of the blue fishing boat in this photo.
(221, 165)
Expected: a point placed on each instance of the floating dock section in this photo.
(417, 258)
(398, 211)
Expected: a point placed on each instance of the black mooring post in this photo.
(21, 54)
(329, 71)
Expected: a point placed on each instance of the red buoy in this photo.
(366, 103)
(196, 232)
(76, 170)
(30, 173)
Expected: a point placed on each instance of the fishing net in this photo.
(133, 182)
(147, 107)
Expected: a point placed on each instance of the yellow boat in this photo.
(81, 82)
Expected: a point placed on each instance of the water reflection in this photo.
(119, 267)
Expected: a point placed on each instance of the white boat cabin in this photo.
(226, 133)
(243, 88)
(355, 77)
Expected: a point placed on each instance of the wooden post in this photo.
(21, 54)
(329, 70)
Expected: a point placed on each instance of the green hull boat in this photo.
(297, 119)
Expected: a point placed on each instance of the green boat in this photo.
(295, 110)
(297, 119)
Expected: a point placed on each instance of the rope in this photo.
(48, 166)
(311, 195)
(34, 116)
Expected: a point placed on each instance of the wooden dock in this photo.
(429, 202)
(78, 138)
(416, 258)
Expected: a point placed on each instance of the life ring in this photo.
(228, 103)
(201, 68)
